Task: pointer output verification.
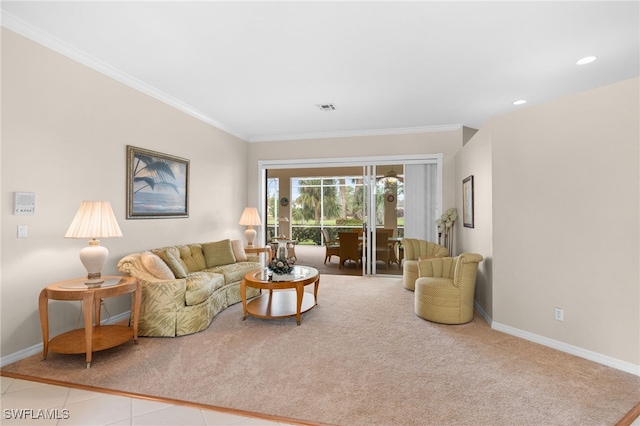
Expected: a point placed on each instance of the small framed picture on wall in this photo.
(467, 202)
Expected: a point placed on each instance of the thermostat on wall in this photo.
(24, 204)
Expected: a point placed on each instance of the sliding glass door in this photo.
(396, 196)
(384, 210)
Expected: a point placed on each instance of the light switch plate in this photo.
(22, 231)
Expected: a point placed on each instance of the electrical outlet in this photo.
(559, 314)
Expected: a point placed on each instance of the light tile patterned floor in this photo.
(34, 402)
(80, 407)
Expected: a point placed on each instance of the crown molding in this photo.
(352, 133)
(37, 35)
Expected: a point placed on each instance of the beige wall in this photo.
(64, 132)
(566, 187)
(475, 160)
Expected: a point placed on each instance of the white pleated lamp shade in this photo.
(94, 219)
(250, 218)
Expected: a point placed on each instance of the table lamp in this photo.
(250, 218)
(94, 219)
(282, 220)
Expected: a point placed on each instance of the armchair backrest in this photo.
(414, 248)
(438, 267)
(466, 270)
(462, 269)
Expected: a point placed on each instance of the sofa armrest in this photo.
(157, 294)
(160, 295)
(132, 265)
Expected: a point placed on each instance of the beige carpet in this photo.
(361, 357)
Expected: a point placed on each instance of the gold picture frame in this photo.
(157, 185)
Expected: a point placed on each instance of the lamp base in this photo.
(93, 258)
(250, 235)
(94, 280)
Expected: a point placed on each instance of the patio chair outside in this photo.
(349, 247)
(332, 247)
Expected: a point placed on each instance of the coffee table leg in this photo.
(243, 294)
(299, 295)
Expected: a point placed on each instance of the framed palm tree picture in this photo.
(157, 185)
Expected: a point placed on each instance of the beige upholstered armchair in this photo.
(445, 288)
(414, 249)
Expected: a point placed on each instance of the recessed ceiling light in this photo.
(519, 102)
(586, 60)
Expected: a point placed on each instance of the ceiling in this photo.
(258, 69)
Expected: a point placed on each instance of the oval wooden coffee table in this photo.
(283, 302)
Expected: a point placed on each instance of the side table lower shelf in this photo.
(103, 337)
(279, 304)
(93, 336)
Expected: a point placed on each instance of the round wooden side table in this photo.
(93, 337)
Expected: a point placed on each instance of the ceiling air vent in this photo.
(326, 107)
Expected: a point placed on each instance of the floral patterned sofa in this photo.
(185, 286)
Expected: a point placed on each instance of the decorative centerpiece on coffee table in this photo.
(280, 269)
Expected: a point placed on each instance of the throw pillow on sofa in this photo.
(156, 266)
(171, 257)
(238, 251)
(218, 253)
(193, 257)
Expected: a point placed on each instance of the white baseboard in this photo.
(627, 367)
(37, 349)
(482, 313)
(570, 349)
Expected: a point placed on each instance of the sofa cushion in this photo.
(156, 266)
(171, 256)
(218, 253)
(193, 257)
(238, 251)
(200, 285)
(235, 271)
